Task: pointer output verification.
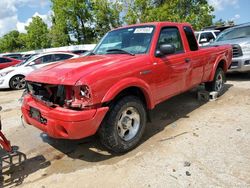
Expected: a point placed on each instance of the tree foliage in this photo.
(59, 32)
(37, 34)
(86, 21)
(11, 41)
(221, 22)
(106, 16)
(83, 20)
(196, 12)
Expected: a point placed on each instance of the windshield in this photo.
(29, 59)
(132, 40)
(234, 33)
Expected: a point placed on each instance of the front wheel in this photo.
(17, 82)
(124, 125)
(218, 83)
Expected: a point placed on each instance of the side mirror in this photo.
(165, 49)
(204, 40)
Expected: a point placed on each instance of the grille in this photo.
(237, 52)
(234, 64)
(50, 94)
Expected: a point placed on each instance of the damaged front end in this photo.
(77, 97)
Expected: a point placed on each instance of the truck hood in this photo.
(68, 72)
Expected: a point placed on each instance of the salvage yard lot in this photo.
(188, 143)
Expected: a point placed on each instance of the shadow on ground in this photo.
(91, 150)
(238, 76)
(15, 167)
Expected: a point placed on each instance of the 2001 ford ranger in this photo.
(129, 72)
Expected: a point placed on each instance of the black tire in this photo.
(218, 82)
(111, 132)
(17, 82)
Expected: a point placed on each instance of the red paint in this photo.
(11, 62)
(3, 140)
(107, 75)
(5, 143)
(64, 123)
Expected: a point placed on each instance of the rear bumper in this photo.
(64, 123)
(240, 64)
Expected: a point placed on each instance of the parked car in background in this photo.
(14, 55)
(110, 91)
(7, 62)
(239, 38)
(204, 38)
(14, 77)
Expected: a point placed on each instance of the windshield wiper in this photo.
(120, 50)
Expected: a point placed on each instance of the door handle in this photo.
(187, 60)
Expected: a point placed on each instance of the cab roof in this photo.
(157, 24)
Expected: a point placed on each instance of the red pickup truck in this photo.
(112, 89)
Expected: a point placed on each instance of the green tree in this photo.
(106, 16)
(196, 12)
(11, 42)
(72, 18)
(59, 32)
(37, 34)
(138, 11)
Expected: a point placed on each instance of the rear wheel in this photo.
(124, 125)
(218, 83)
(17, 82)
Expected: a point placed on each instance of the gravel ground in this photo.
(188, 144)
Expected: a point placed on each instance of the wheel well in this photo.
(14, 76)
(135, 91)
(222, 65)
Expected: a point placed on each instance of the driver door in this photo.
(171, 70)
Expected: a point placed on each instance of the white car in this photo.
(14, 77)
(206, 37)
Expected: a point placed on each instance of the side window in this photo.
(208, 36)
(191, 38)
(47, 59)
(4, 60)
(38, 60)
(44, 59)
(60, 57)
(170, 35)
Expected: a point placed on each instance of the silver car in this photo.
(239, 38)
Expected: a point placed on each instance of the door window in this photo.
(44, 59)
(60, 57)
(170, 35)
(193, 46)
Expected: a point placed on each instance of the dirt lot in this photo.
(188, 144)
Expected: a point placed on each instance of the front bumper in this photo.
(64, 123)
(240, 64)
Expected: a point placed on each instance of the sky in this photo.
(16, 14)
